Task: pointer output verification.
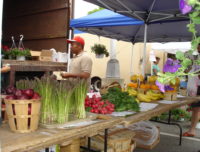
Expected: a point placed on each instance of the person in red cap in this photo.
(81, 63)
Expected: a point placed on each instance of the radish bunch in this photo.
(97, 105)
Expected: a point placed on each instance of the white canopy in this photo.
(172, 47)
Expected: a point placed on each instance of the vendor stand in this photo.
(42, 138)
(33, 66)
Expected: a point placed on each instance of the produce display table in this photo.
(33, 66)
(161, 108)
(42, 138)
(14, 142)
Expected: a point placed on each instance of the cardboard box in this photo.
(119, 140)
(35, 54)
(46, 55)
(183, 92)
(171, 96)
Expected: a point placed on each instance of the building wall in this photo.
(44, 24)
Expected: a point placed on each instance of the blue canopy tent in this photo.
(113, 25)
(107, 23)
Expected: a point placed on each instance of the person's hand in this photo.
(65, 75)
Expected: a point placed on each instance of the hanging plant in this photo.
(99, 49)
(179, 68)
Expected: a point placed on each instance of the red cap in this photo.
(77, 39)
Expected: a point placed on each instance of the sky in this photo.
(82, 8)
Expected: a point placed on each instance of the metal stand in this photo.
(169, 123)
(88, 148)
(105, 140)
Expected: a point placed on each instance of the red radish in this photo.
(29, 92)
(36, 96)
(97, 105)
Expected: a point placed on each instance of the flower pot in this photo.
(21, 58)
(10, 57)
(99, 56)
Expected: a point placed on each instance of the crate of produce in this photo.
(172, 96)
(119, 140)
(74, 146)
(147, 135)
(183, 92)
(23, 115)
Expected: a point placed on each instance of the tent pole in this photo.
(131, 70)
(69, 51)
(144, 51)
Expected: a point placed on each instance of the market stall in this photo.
(46, 137)
(50, 112)
(32, 66)
(43, 138)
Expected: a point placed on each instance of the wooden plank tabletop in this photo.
(30, 142)
(29, 65)
(161, 108)
(15, 142)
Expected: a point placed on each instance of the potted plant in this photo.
(100, 50)
(20, 54)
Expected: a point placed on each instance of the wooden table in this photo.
(42, 138)
(33, 66)
(161, 108)
(14, 142)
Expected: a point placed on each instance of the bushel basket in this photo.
(23, 115)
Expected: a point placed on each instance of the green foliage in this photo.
(95, 10)
(13, 53)
(177, 114)
(180, 55)
(18, 52)
(186, 62)
(100, 49)
(121, 100)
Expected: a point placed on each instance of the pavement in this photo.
(169, 140)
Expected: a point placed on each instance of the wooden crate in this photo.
(20, 118)
(73, 147)
(172, 96)
(46, 55)
(183, 92)
(143, 91)
(151, 146)
(119, 140)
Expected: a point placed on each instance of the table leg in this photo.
(88, 148)
(89, 144)
(105, 140)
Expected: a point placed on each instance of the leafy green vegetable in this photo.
(121, 100)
